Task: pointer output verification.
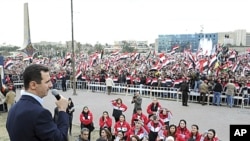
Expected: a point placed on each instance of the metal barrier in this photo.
(18, 84)
(168, 93)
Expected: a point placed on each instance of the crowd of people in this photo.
(148, 69)
(156, 70)
(183, 71)
(155, 125)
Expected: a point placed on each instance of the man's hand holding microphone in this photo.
(62, 102)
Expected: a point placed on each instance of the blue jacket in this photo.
(28, 121)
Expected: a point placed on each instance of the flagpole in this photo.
(73, 50)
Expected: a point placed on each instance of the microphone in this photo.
(56, 94)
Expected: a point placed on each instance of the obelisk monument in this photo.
(27, 48)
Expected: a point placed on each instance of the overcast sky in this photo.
(107, 20)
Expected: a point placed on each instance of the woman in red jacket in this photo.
(153, 108)
(172, 131)
(165, 115)
(182, 131)
(105, 121)
(118, 108)
(194, 134)
(162, 134)
(122, 125)
(86, 119)
(210, 135)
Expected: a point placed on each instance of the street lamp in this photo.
(73, 50)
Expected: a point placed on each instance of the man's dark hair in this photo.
(33, 73)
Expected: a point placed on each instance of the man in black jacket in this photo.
(184, 88)
(218, 88)
(64, 78)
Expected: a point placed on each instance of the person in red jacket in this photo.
(105, 121)
(119, 137)
(153, 108)
(139, 116)
(118, 108)
(162, 134)
(86, 119)
(182, 131)
(194, 134)
(122, 125)
(140, 129)
(154, 126)
(165, 115)
(172, 131)
(210, 135)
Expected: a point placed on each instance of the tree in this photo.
(126, 47)
(98, 47)
(79, 45)
(86, 47)
(90, 51)
(9, 48)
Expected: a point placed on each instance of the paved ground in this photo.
(206, 117)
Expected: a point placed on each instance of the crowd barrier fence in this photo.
(168, 93)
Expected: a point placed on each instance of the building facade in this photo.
(140, 46)
(235, 38)
(165, 43)
(248, 39)
(132, 43)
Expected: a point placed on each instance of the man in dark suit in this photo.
(64, 79)
(185, 90)
(28, 120)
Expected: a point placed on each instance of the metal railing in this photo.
(169, 93)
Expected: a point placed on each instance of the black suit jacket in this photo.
(29, 121)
